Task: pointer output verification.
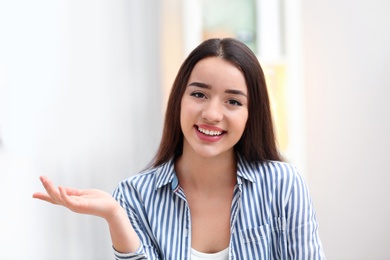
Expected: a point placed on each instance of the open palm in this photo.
(88, 201)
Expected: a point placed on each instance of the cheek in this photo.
(243, 122)
(188, 109)
(185, 114)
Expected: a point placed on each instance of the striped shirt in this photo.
(272, 216)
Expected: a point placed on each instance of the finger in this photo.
(68, 200)
(68, 195)
(51, 190)
(72, 191)
(49, 186)
(43, 196)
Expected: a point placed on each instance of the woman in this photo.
(217, 188)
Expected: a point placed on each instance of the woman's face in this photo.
(214, 108)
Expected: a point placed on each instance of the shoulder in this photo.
(149, 179)
(281, 173)
(145, 187)
(140, 181)
(140, 177)
(277, 181)
(273, 176)
(274, 170)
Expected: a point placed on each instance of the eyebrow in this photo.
(206, 86)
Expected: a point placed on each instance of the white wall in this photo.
(346, 65)
(80, 102)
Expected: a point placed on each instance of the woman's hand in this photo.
(89, 201)
(98, 203)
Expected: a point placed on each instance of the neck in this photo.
(206, 174)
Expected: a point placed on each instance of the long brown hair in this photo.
(258, 140)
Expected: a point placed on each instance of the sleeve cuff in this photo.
(139, 254)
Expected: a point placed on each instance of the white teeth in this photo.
(209, 132)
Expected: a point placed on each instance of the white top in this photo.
(221, 255)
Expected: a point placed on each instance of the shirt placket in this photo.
(236, 205)
(186, 254)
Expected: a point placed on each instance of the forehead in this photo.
(219, 72)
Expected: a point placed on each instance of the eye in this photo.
(234, 102)
(198, 95)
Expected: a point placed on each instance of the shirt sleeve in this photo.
(127, 198)
(302, 228)
(139, 254)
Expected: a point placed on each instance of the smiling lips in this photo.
(208, 134)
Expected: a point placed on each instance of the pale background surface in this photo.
(347, 79)
(81, 101)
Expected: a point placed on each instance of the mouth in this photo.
(210, 132)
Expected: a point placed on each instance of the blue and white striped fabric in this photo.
(272, 216)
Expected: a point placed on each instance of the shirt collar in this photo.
(165, 173)
(245, 169)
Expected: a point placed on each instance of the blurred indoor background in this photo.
(83, 87)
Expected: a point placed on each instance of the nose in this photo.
(213, 111)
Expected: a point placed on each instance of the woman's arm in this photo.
(124, 239)
(98, 203)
